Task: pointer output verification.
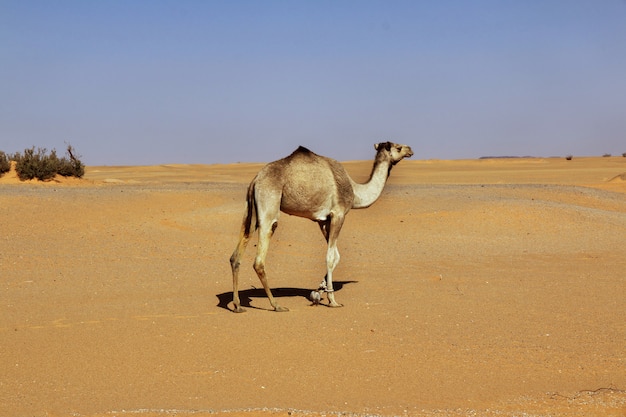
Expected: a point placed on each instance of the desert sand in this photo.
(470, 288)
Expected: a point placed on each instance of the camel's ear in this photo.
(387, 145)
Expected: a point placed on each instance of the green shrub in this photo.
(5, 164)
(72, 166)
(31, 164)
(44, 166)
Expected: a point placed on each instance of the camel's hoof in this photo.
(335, 305)
(280, 309)
(239, 309)
(315, 297)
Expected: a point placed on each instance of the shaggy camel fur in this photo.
(315, 187)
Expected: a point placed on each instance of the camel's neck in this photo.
(366, 194)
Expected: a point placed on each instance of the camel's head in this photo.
(396, 152)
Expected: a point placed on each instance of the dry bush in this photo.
(5, 164)
(39, 164)
(71, 166)
(43, 166)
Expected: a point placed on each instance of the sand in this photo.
(471, 288)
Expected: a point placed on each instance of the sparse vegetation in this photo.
(5, 164)
(624, 154)
(71, 166)
(39, 164)
(606, 155)
(44, 166)
(569, 157)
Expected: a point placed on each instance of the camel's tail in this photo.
(250, 218)
(248, 226)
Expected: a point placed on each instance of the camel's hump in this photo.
(302, 149)
(303, 152)
(309, 155)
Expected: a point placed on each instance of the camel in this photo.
(315, 187)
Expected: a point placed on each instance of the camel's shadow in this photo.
(246, 296)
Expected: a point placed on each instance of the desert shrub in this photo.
(607, 155)
(39, 164)
(5, 164)
(569, 157)
(71, 166)
(624, 154)
(43, 166)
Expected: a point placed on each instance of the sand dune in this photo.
(479, 287)
(619, 178)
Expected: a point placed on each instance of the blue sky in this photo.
(151, 82)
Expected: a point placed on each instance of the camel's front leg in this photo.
(332, 257)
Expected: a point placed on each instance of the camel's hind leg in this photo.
(235, 261)
(248, 226)
(266, 230)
